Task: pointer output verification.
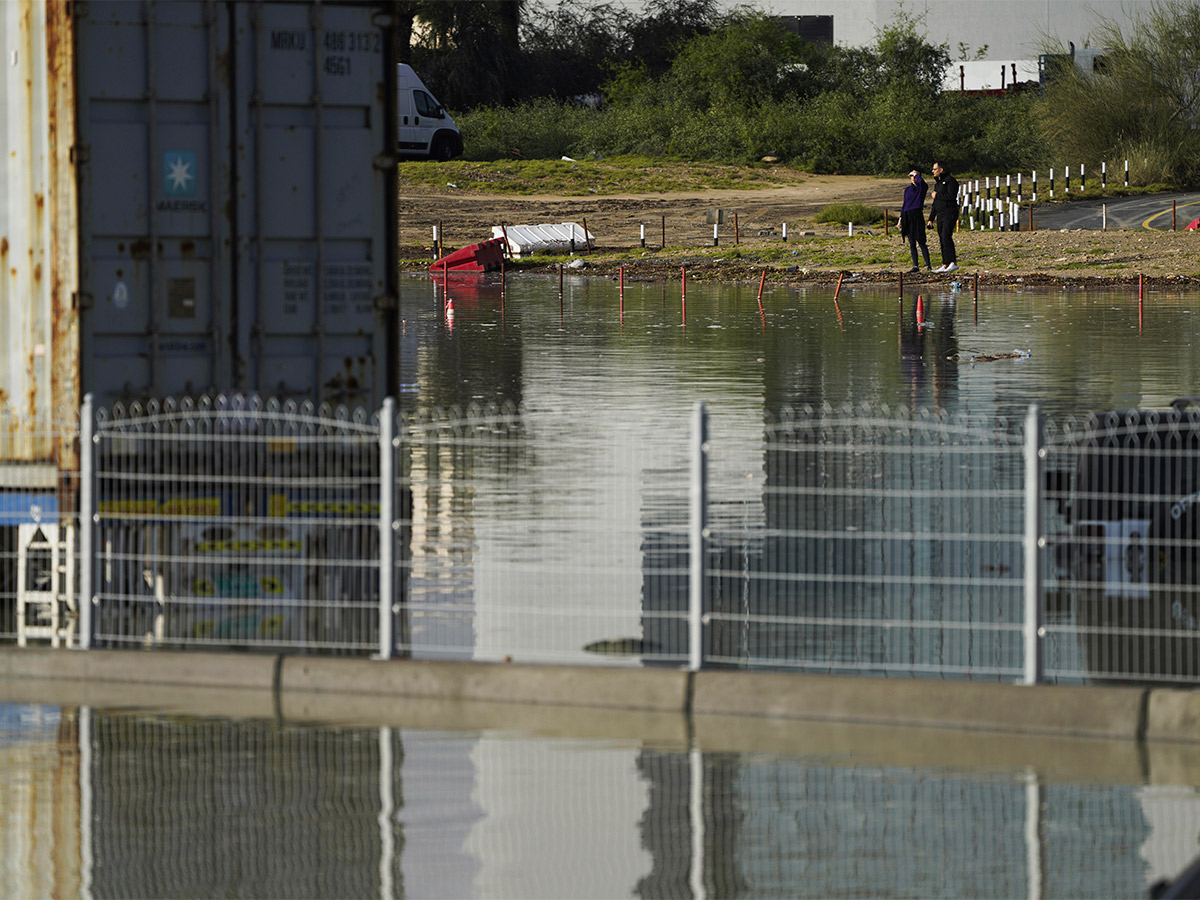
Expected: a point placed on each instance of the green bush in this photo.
(870, 111)
(845, 213)
(1142, 106)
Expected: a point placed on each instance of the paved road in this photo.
(1152, 212)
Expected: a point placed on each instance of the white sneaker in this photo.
(950, 267)
(940, 269)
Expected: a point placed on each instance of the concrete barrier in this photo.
(316, 688)
(254, 671)
(1173, 715)
(989, 706)
(654, 690)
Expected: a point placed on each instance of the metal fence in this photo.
(864, 541)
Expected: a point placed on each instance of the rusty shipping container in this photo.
(196, 196)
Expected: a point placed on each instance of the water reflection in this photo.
(582, 517)
(102, 803)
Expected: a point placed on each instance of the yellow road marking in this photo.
(1146, 224)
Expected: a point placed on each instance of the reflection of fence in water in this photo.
(237, 521)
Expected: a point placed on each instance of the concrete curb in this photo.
(243, 671)
(1173, 715)
(653, 690)
(1066, 710)
(308, 686)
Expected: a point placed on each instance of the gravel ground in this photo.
(751, 239)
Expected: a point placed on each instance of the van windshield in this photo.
(426, 105)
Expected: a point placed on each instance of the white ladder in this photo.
(46, 583)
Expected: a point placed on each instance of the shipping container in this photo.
(196, 197)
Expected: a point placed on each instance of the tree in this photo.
(1141, 104)
(751, 59)
(467, 52)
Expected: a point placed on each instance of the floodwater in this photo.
(530, 803)
(122, 803)
(655, 352)
(573, 527)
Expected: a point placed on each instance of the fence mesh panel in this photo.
(882, 542)
(237, 521)
(512, 555)
(1121, 498)
(852, 540)
(38, 555)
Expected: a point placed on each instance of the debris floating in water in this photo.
(988, 357)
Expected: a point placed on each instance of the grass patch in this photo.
(845, 213)
(577, 178)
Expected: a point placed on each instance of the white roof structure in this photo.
(525, 239)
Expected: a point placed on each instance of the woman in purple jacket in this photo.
(912, 219)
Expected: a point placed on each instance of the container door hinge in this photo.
(81, 300)
(385, 301)
(80, 154)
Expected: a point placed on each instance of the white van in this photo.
(425, 131)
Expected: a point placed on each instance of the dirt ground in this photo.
(813, 252)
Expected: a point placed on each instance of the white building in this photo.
(1011, 29)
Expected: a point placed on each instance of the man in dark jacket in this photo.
(912, 219)
(944, 212)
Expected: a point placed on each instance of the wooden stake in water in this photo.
(621, 272)
(838, 289)
(683, 291)
(663, 245)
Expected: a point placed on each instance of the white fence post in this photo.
(387, 526)
(87, 515)
(1034, 629)
(697, 535)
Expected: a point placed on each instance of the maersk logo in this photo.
(179, 173)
